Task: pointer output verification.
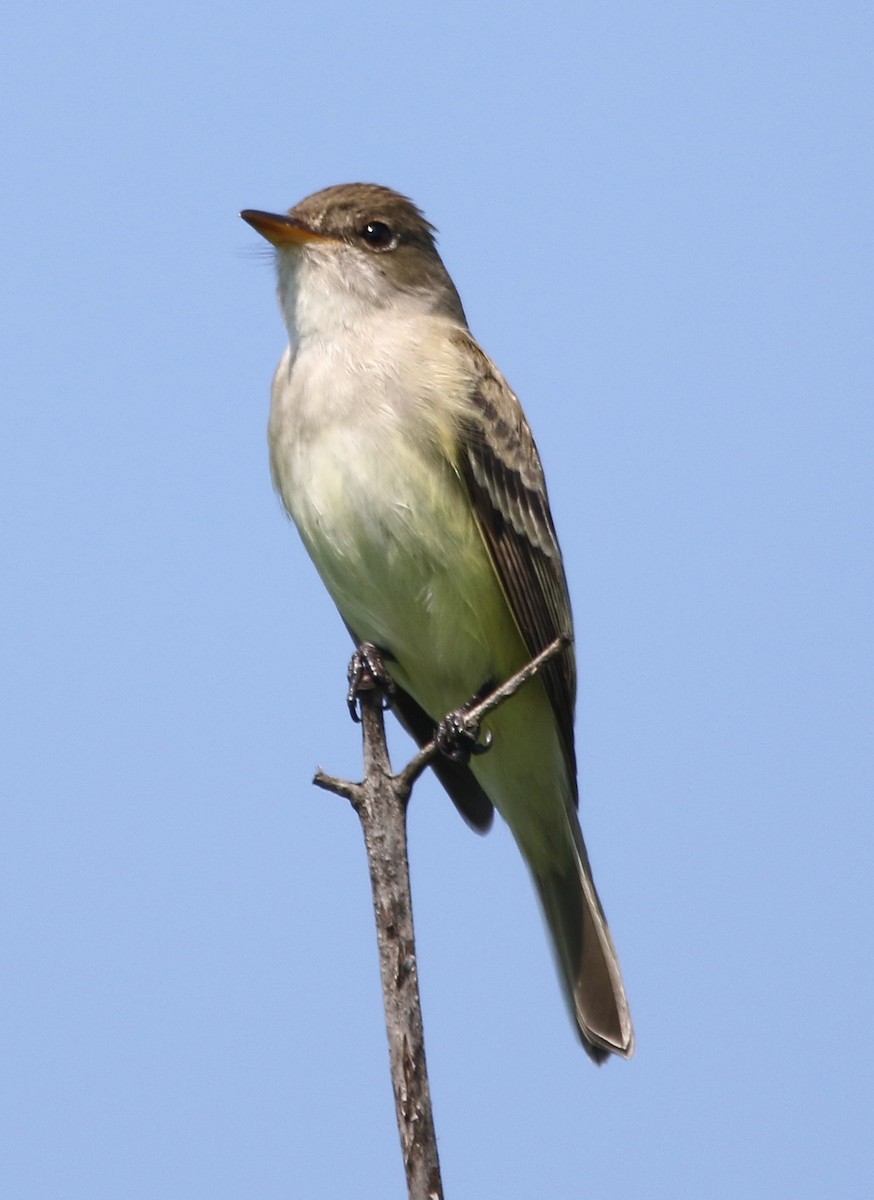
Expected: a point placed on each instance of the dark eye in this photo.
(378, 235)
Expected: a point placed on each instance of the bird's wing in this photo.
(501, 469)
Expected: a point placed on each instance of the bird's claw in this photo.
(367, 672)
(457, 737)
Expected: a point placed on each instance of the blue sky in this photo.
(659, 219)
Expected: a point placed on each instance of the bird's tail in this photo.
(587, 959)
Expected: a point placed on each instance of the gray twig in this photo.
(381, 803)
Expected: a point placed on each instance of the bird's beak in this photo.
(281, 230)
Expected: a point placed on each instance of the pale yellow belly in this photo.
(403, 558)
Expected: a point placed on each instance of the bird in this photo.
(407, 464)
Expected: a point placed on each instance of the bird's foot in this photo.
(367, 672)
(457, 736)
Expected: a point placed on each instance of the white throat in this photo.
(329, 292)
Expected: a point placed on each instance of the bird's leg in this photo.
(457, 735)
(366, 672)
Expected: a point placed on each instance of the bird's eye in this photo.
(378, 235)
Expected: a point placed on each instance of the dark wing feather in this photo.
(501, 468)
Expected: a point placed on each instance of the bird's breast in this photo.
(363, 461)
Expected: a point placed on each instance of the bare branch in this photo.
(381, 803)
(340, 787)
